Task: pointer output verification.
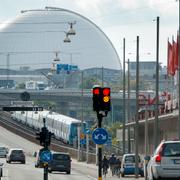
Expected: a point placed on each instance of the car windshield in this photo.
(2, 149)
(171, 149)
(130, 159)
(17, 152)
(61, 157)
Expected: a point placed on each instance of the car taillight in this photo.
(159, 154)
(158, 158)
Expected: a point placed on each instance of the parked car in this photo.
(38, 163)
(60, 162)
(165, 161)
(128, 165)
(16, 155)
(3, 151)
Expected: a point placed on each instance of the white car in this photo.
(128, 165)
(165, 162)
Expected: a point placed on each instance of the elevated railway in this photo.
(29, 133)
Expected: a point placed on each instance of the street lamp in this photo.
(67, 39)
(71, 30)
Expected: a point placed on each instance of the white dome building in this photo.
(33, 38)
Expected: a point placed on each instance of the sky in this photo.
(118, 19)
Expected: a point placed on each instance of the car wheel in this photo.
(142, 174)
(154, 177)
(68, 172)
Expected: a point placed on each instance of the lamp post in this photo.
(128, 108)
(137, 113)
(179, 76)
(124, 102)
(156, 125)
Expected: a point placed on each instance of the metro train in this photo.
(64, 128)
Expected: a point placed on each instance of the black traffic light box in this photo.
(106, 99)
(101, 99)
(44, 137)
(96, 98)
(39, 137)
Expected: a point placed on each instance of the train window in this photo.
(74, 130)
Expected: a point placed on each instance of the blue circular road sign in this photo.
(46, 156)
(99, 136)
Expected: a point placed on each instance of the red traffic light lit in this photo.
(106, 91)
(96, 91)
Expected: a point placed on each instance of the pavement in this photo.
(109, 176)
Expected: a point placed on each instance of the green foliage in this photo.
(112, 129)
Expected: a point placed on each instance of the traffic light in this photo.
(101, 99)
(49, 135)
(39, 137)
(105, 99)
(44, 137)
(96, 98)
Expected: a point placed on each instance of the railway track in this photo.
(29, 133)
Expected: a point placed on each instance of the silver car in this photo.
(15, 155)
(165, 162)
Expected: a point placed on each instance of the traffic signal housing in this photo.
(96, 98)
(39, 136)
(106, 99)
(44, 137)
(101, 99)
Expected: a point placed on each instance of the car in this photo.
(165, 161)
(3, 151)
(60, 162)
(128, 165)
(38, 163)
(16, 155)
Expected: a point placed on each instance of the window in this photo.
(61, 157)
(171, 149)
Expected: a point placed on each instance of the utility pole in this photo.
(124, 102)
(102, 75)
(46, 148)
(179, 75)
(82, 111)
(137, 113)
(156, 123)
(128, 108)
(8, 70)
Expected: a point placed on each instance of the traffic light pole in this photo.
(46, 148)
(46, 172)
(99, 116)
(101, 104)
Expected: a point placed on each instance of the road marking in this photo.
(91, 177)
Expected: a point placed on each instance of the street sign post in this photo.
(100, 136)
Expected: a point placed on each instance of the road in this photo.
(16, 171)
